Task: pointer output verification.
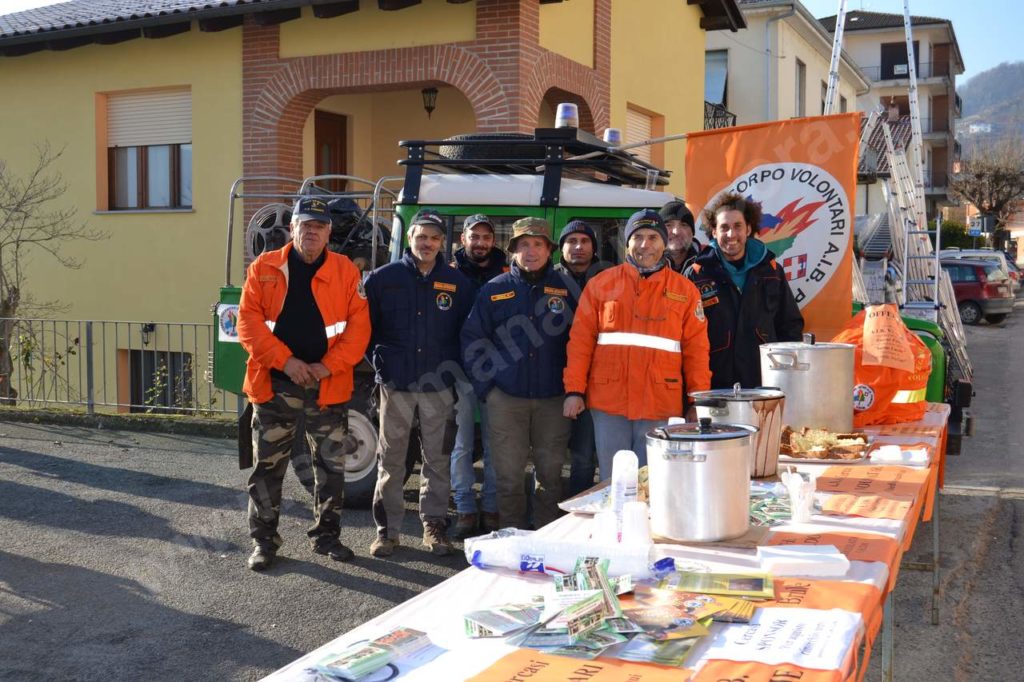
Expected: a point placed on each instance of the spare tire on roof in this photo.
(490, 151)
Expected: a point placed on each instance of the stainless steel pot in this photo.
(699, 480)
(817, 379)
(761, 407)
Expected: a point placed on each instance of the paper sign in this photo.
(525, 664)
(885, 342)
(808, 638)
(856, 546)
(726, 671)
(878, 479)
(862, 598)
(869, 506)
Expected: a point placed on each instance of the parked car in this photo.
(982, 289)
(1015, 275)
(978, 254)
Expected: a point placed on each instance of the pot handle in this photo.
(774, 358)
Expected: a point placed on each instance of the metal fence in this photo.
(111, 366)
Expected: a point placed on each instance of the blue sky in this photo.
(989, 31)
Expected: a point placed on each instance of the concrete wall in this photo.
(153, 265)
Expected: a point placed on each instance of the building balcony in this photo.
(717, 116)
(901, 72)
(936, 181)
(936, 129)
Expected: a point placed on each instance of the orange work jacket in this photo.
(338, 292)
(638, 345)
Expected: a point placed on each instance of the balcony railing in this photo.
(889, 72)
(936, 179)
(935, 125)
(717, 116)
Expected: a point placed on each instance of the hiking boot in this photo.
(261, 558)
(465, 526)
(383, 547)
(334, 549)
(491, 522)
(435, 537)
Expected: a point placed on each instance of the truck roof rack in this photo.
(551, 152)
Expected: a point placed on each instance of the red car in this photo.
(982, 290)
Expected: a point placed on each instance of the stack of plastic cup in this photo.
(636, 526)
(605, 527)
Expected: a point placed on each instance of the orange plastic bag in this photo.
(891, 367)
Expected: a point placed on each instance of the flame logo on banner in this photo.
(781, 229)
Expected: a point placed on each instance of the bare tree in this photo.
(32, 221)
(992, 179)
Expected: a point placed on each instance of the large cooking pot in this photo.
(760, 407)
(699, 480)
(817, 379)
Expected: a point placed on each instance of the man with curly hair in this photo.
(745, 295)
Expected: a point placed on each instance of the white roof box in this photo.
(438, 189)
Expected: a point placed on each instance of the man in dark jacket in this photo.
(746, 297)
(417, 308)
(480, 261)
(513, 348)
(578, 245)
(682, 248)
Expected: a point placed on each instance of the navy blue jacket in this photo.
(516, 335)
(416, 321)
(496, 264)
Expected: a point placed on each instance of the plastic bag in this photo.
(891, 367)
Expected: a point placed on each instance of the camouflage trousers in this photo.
(273, 432)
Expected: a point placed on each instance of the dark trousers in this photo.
(583, 454)
(273, 432)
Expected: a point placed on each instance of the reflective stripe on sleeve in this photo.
(336, 328)
(639, 340)
(270, 324)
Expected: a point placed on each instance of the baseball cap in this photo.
(311, 208)
(430, 218)
(476, 219)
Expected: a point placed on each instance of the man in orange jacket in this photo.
(303, 320)
(638, 344)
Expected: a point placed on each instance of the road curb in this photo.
(176, 424)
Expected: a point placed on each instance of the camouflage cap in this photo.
(530, 226)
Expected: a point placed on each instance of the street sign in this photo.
(974, 227)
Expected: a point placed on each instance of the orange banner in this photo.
(527, 664)
(804, 173)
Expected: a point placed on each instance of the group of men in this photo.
(581, 357)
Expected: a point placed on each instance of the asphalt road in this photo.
(122, 556)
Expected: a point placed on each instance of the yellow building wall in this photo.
(378, 121)
(429, 23)
(153, 266)
(567, 28)
(673, 84)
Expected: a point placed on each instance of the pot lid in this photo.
(701, 430)
(741, 394)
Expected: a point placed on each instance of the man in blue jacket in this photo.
(417, 308)
(513, 348)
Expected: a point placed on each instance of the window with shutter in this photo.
(149, 149)
(639, 127)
